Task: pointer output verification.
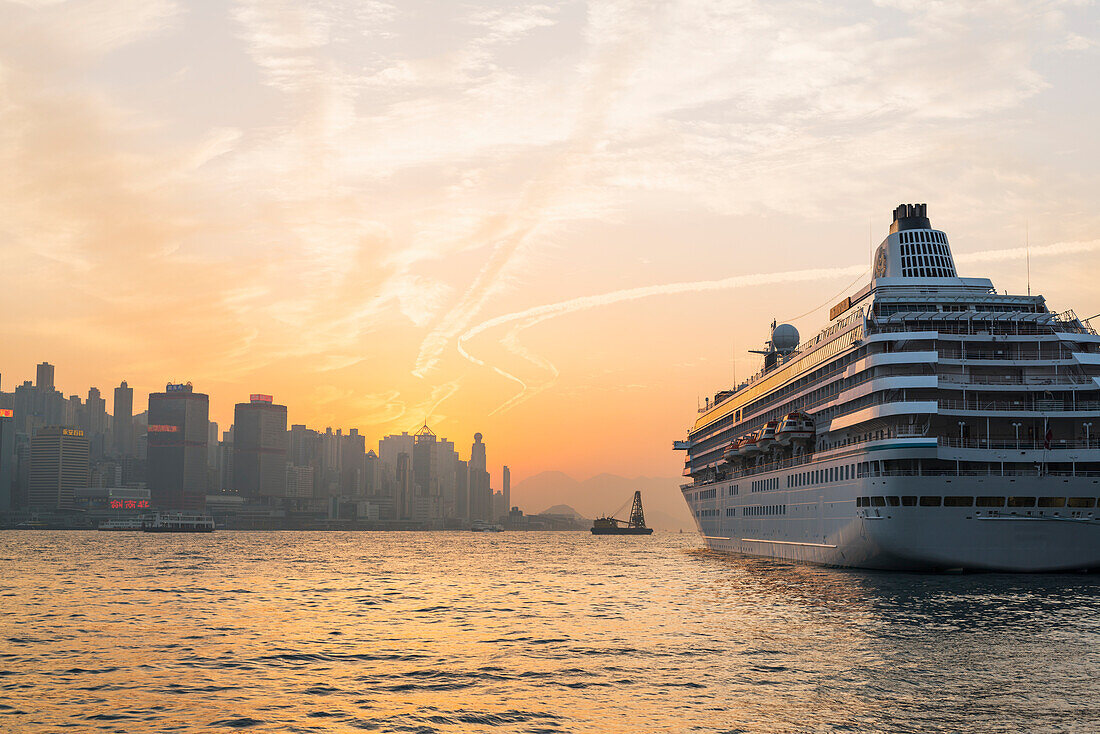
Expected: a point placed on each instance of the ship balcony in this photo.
(1016, 382)
(1061, 451)
(1056, 408)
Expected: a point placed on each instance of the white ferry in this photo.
(934, 424)
(177, 522)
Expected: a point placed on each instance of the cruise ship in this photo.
(934, 424)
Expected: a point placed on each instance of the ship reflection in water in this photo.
(521, 632)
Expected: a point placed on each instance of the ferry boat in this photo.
(484, 526)
(933, 424)
(177, 522)
(122, 524)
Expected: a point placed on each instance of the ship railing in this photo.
(975, 328)
(1023, 445)
(1019, 355)
(991, 472)
(1042, 406)
(1016, 380)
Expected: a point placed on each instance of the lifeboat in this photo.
(795, 427)
(765, 437)
(746, 445)
(732, 453)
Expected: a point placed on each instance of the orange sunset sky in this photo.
(557, 224)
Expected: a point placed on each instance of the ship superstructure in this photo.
(934, 423)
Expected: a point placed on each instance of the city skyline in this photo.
(519, 220)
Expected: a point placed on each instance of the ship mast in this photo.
(637, 517)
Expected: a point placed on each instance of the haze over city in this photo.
(520, 220)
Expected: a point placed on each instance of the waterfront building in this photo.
(58, 466)
(177, 438)
(123, 420)
(299, 481)
(7, 459)
(259, 448)
(95, 423)
(481, 495)
(353, 456)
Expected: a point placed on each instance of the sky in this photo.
(556, 224)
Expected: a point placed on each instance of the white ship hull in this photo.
(823, 525)
(952, 427)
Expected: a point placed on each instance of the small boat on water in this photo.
(482, 526)
(177, 522)
(610, 525)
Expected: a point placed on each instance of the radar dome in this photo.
(784, 338)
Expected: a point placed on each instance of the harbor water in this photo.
(523, 632)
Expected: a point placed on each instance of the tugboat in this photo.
(610, 525)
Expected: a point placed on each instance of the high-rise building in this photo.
(353, 456)
(299, 481)
(462, 489)
(506, 483)
(404, 497)
(95, 423)
(59, 465)
(7, 458)
(177, 436)
(123, 420)
(259, 448)
(43, 378)
(481, 496)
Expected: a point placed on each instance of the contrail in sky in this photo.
(529, 317)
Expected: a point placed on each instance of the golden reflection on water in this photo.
(521, 632)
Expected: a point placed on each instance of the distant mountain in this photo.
(602, 494)
(565, 510)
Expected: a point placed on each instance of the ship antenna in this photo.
(1027, 255)
(734, 344)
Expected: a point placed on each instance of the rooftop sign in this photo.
(163, 429)
(260, 398)
(177, 387)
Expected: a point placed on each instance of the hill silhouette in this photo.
(664, 505)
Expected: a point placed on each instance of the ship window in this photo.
(878, 502)
(926, 501)
(991, 502)
(1081, 501)
(861, 501)
(1052, 502)
(1021, 501)
(908, 500)
(893, 501)
(957, 501)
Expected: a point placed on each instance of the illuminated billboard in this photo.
(72, 432)
(163, 429)
(258, 398)
(7, 413)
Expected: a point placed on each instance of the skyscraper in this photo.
(481, 496)
(507, 488)
(7, 458)
(43, 378)
(59, 465)
(177, 436)
(124, 420)
(259, 448)
(95, 423)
